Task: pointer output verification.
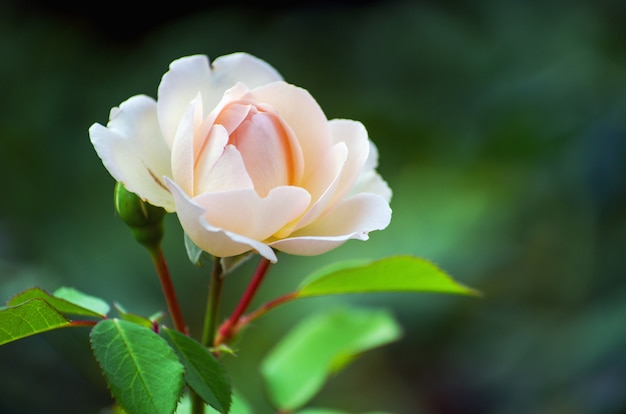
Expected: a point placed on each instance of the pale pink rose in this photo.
(247, 161)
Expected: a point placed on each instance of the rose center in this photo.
(263, 143)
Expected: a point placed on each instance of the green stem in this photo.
(213, 302)
(210, 322)
(197, 405)
(168, 288)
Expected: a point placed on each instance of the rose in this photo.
(247, 161)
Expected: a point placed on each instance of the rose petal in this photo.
(323, 182)
(232, 116)
(217, 242)
(245, 213)
(228, 112)
(191, 75)
(371, 182)
(353, 218)
(372, 158)
(133, 151)
(227, 174)
(183, 154)
(242, 67)
(354, 135)
(264, 146)
(302, 114)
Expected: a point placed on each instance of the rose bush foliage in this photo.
(246, 160)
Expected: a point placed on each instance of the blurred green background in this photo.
(502, 131)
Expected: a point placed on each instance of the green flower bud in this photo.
(144, 219)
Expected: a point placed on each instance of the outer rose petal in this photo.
(183, 157)
(327, 172)
(354, 135)
(369, 181)
(352, 218)
(213, 240)
(191, 75)
(372, 182)
(133, 151)
(244, 212)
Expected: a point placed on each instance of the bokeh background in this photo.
(502, 130)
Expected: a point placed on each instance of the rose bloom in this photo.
(246, 160)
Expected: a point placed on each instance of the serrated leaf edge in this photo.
(107, 381)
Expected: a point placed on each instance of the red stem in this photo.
(83, 323)
(168, 289)
(226, 330)
(244, 320)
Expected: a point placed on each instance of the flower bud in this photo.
(144, 219)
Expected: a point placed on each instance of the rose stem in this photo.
(83, 323)
(168, 288)
(226, 330)
(262, 310)
(213, 301)
(210, 323)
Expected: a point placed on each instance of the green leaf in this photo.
(143, 372)
(392, 274)
(203, 372)
(131, 317)
(298, 366)
(196, 255)
(29, 318)
(232, 262)
(69, 305)
(94, 304)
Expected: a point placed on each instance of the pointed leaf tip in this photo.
(66, 301)
(392, 274)
(29, 318)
